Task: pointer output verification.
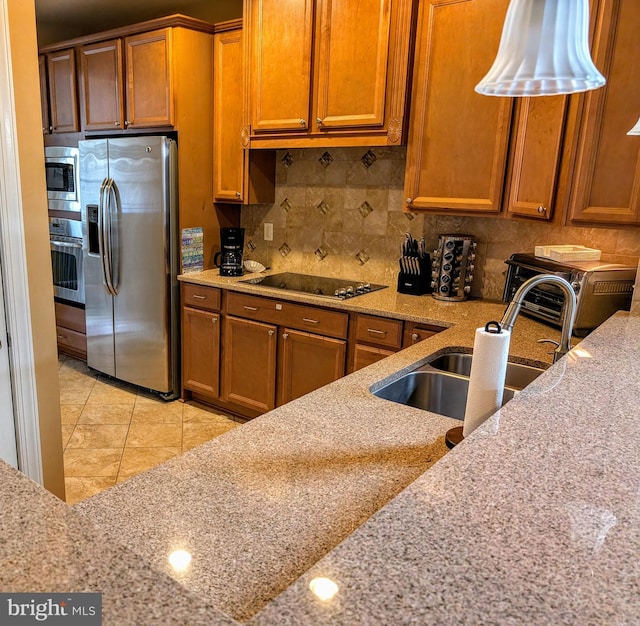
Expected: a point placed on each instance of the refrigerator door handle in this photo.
(110, 208)
(101, 234)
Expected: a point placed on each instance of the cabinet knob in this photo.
(303, 122)
(126, 122)
(318, 121)
(285, 335)
(214, 320)
(409, 201)
(116, 123)
(414, 337)
(542, 209)
(238, 194)
(271, 333)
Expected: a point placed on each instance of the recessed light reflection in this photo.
(179, 560)
(581, 353)
(324, 588)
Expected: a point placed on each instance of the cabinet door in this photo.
(353, 55)
(606, 184)
(44, 94)
(458, 139)
(537, 151)
(366, 355)
(149, 100)
(249, 357)
(228, 116)
(415, 332)
(102, 103)
(280, 34)
(201, 351)
(308, 362)
(61, 68)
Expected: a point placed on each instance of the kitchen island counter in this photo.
(534, 517)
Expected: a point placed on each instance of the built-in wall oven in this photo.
(66, 259)
(63, 186)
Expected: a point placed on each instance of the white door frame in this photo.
(14, 261)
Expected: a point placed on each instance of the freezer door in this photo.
(94, 171)
(140, 260)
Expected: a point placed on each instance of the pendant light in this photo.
(544, 51)
(635, 130)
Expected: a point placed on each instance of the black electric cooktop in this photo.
(316, 285)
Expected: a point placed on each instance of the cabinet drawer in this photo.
(415, 332)
(207, 298)
(366, 355)
(379, 331)
(70, 317)
(297, 316)
(71, 340)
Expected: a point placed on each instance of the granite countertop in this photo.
(534, 517)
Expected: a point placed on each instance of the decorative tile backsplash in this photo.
(339, 211)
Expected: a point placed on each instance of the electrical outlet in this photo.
(268, 232)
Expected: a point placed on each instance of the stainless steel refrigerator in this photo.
(130, 256)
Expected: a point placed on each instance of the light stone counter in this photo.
(534, 518)
(260, 505)
(45, 546)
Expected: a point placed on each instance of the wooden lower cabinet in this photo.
(71, 330)
(201, 351)
(307, 362)
(366, 355)
(249, 357)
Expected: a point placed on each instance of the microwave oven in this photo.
(61, 170)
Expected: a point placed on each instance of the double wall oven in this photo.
(65, 235)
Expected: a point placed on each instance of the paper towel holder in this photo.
(454, 435)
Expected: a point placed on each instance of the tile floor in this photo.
(112, 431)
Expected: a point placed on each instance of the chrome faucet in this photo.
(510, 315)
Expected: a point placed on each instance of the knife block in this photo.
(416, 284)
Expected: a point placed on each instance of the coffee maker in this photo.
(229, 259)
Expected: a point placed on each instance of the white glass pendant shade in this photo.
(544, 51)
(635, 130)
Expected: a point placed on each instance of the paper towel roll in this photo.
(488, 372)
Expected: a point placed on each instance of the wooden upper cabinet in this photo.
(281, 36)
(353, 55)
(149, 95)
(102, 98)
(537, 149)
(329, 72)
(44, 94)
(61, 70)
(606, 183)
(228, 116)
(458, 139)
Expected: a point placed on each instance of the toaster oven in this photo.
(601, 289)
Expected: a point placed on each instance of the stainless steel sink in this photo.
(518, 375)
(442, 385)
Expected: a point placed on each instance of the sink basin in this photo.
(518, 375)
(442, 385)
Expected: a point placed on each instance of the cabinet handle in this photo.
(414, 337)
(250, 308)
(285, 335)
(271, 333)
(542, 209)
(374, 331)
(195, 296)
(61, 337)
(303, 122)
(308, 320)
